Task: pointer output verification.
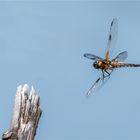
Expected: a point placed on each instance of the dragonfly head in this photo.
(96, 65)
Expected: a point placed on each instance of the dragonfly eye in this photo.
(95, 65)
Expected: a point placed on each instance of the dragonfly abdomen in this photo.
(118, 65)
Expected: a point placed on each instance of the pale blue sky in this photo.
(42, 44)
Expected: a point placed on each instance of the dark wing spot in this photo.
(111, 23)
(109, 37)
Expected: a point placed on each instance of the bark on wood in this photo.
(26, 114)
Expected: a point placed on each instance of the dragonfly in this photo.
(107, 65)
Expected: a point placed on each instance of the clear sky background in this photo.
(42, 44)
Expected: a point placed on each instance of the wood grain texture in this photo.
(26, 115)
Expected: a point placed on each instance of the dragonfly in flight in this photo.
(106, 65)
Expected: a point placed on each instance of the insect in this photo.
(105, 64)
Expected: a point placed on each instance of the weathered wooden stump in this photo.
(26, 114)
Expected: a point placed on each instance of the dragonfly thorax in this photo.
(101, 64)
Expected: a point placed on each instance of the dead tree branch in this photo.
(26, 115)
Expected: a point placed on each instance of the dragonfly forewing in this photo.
(97, 85)
(113, 35)
(92, 56)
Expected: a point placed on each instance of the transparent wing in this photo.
(97, 85)
(113, 35)
(92, 56)
(121, 56)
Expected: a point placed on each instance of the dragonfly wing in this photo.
(113, 34)
(92, 56)
(121, 56)
(97, 85)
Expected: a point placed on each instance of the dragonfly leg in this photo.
(105, 76)
(111, 70)
(108, 73)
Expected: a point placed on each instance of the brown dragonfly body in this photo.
(106, 65)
